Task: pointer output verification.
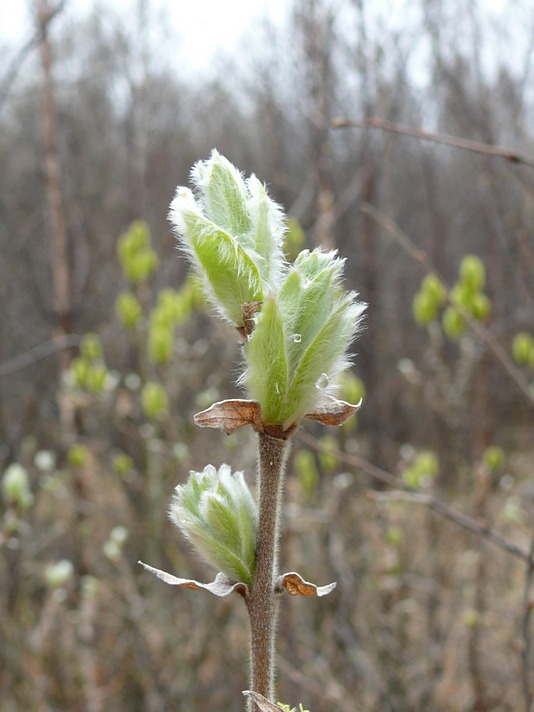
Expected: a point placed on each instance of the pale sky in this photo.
(201, 26)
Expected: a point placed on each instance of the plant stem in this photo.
(262, 604)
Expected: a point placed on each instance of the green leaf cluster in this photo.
(172, 309)
(154, 400)
(232, 232)
(523, 349)
(88, 371)
(466, 295)
(299, 345)
(136, 256)
(16, 491)
(422, 470)
(216, 512)
(428, 301)
(304, 322)
(128, 309)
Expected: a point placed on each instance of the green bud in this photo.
(91, 347)
(494, 457)
(328, 461)
(298, 347)
(434, 289)
(128, 309)
(160, 344)
(427, 464)
(453, 323)
(472, 273)
(423, 469)
(137, 258)
(480, 306)
(471, 618)
(424, 308)
(462, 295)
(306, 471)
(522, 347)
(77, 455)
(232, 232)
(95, 379)
(122, 463)
(16, 490)
(154, 401)
(217, 513)
(395, 536)
(79, 368)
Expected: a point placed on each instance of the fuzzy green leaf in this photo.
(267, 374)
(323, 359)
(216, 512)
(223, 193)
(231, 276)
(267, 232)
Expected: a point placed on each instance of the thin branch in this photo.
(526, 651)
(455, 141)
(483, 334)
(38, 353)
(436, 505)
(18, 60)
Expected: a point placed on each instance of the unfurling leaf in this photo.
(215, 510)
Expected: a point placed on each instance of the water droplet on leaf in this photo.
(322, 382)
(297, 338)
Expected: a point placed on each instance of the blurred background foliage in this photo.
(107, 350)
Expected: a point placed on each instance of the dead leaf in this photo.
(230, 415)
(333, 411)
(221, 586)
(262, 703)
(295, 585)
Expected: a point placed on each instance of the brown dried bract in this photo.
(221, 586)
(295, 585)
(249, 311)
(262, 703)
(230, 415)
(333, 411)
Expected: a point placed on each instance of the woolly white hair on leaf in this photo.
(222, 192)
(230, 275)
(268, 231)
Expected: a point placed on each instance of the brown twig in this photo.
(38, 353)
(17, 62)
(455, 141)
(526, 650)
(436, 505)
(424, 260)
(262, 604)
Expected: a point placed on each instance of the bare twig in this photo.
(526, 650)
(18, 60)
(456, 142)
(436, 505)
(483, 334)
(38, 353)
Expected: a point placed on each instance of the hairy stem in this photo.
(262, 604)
